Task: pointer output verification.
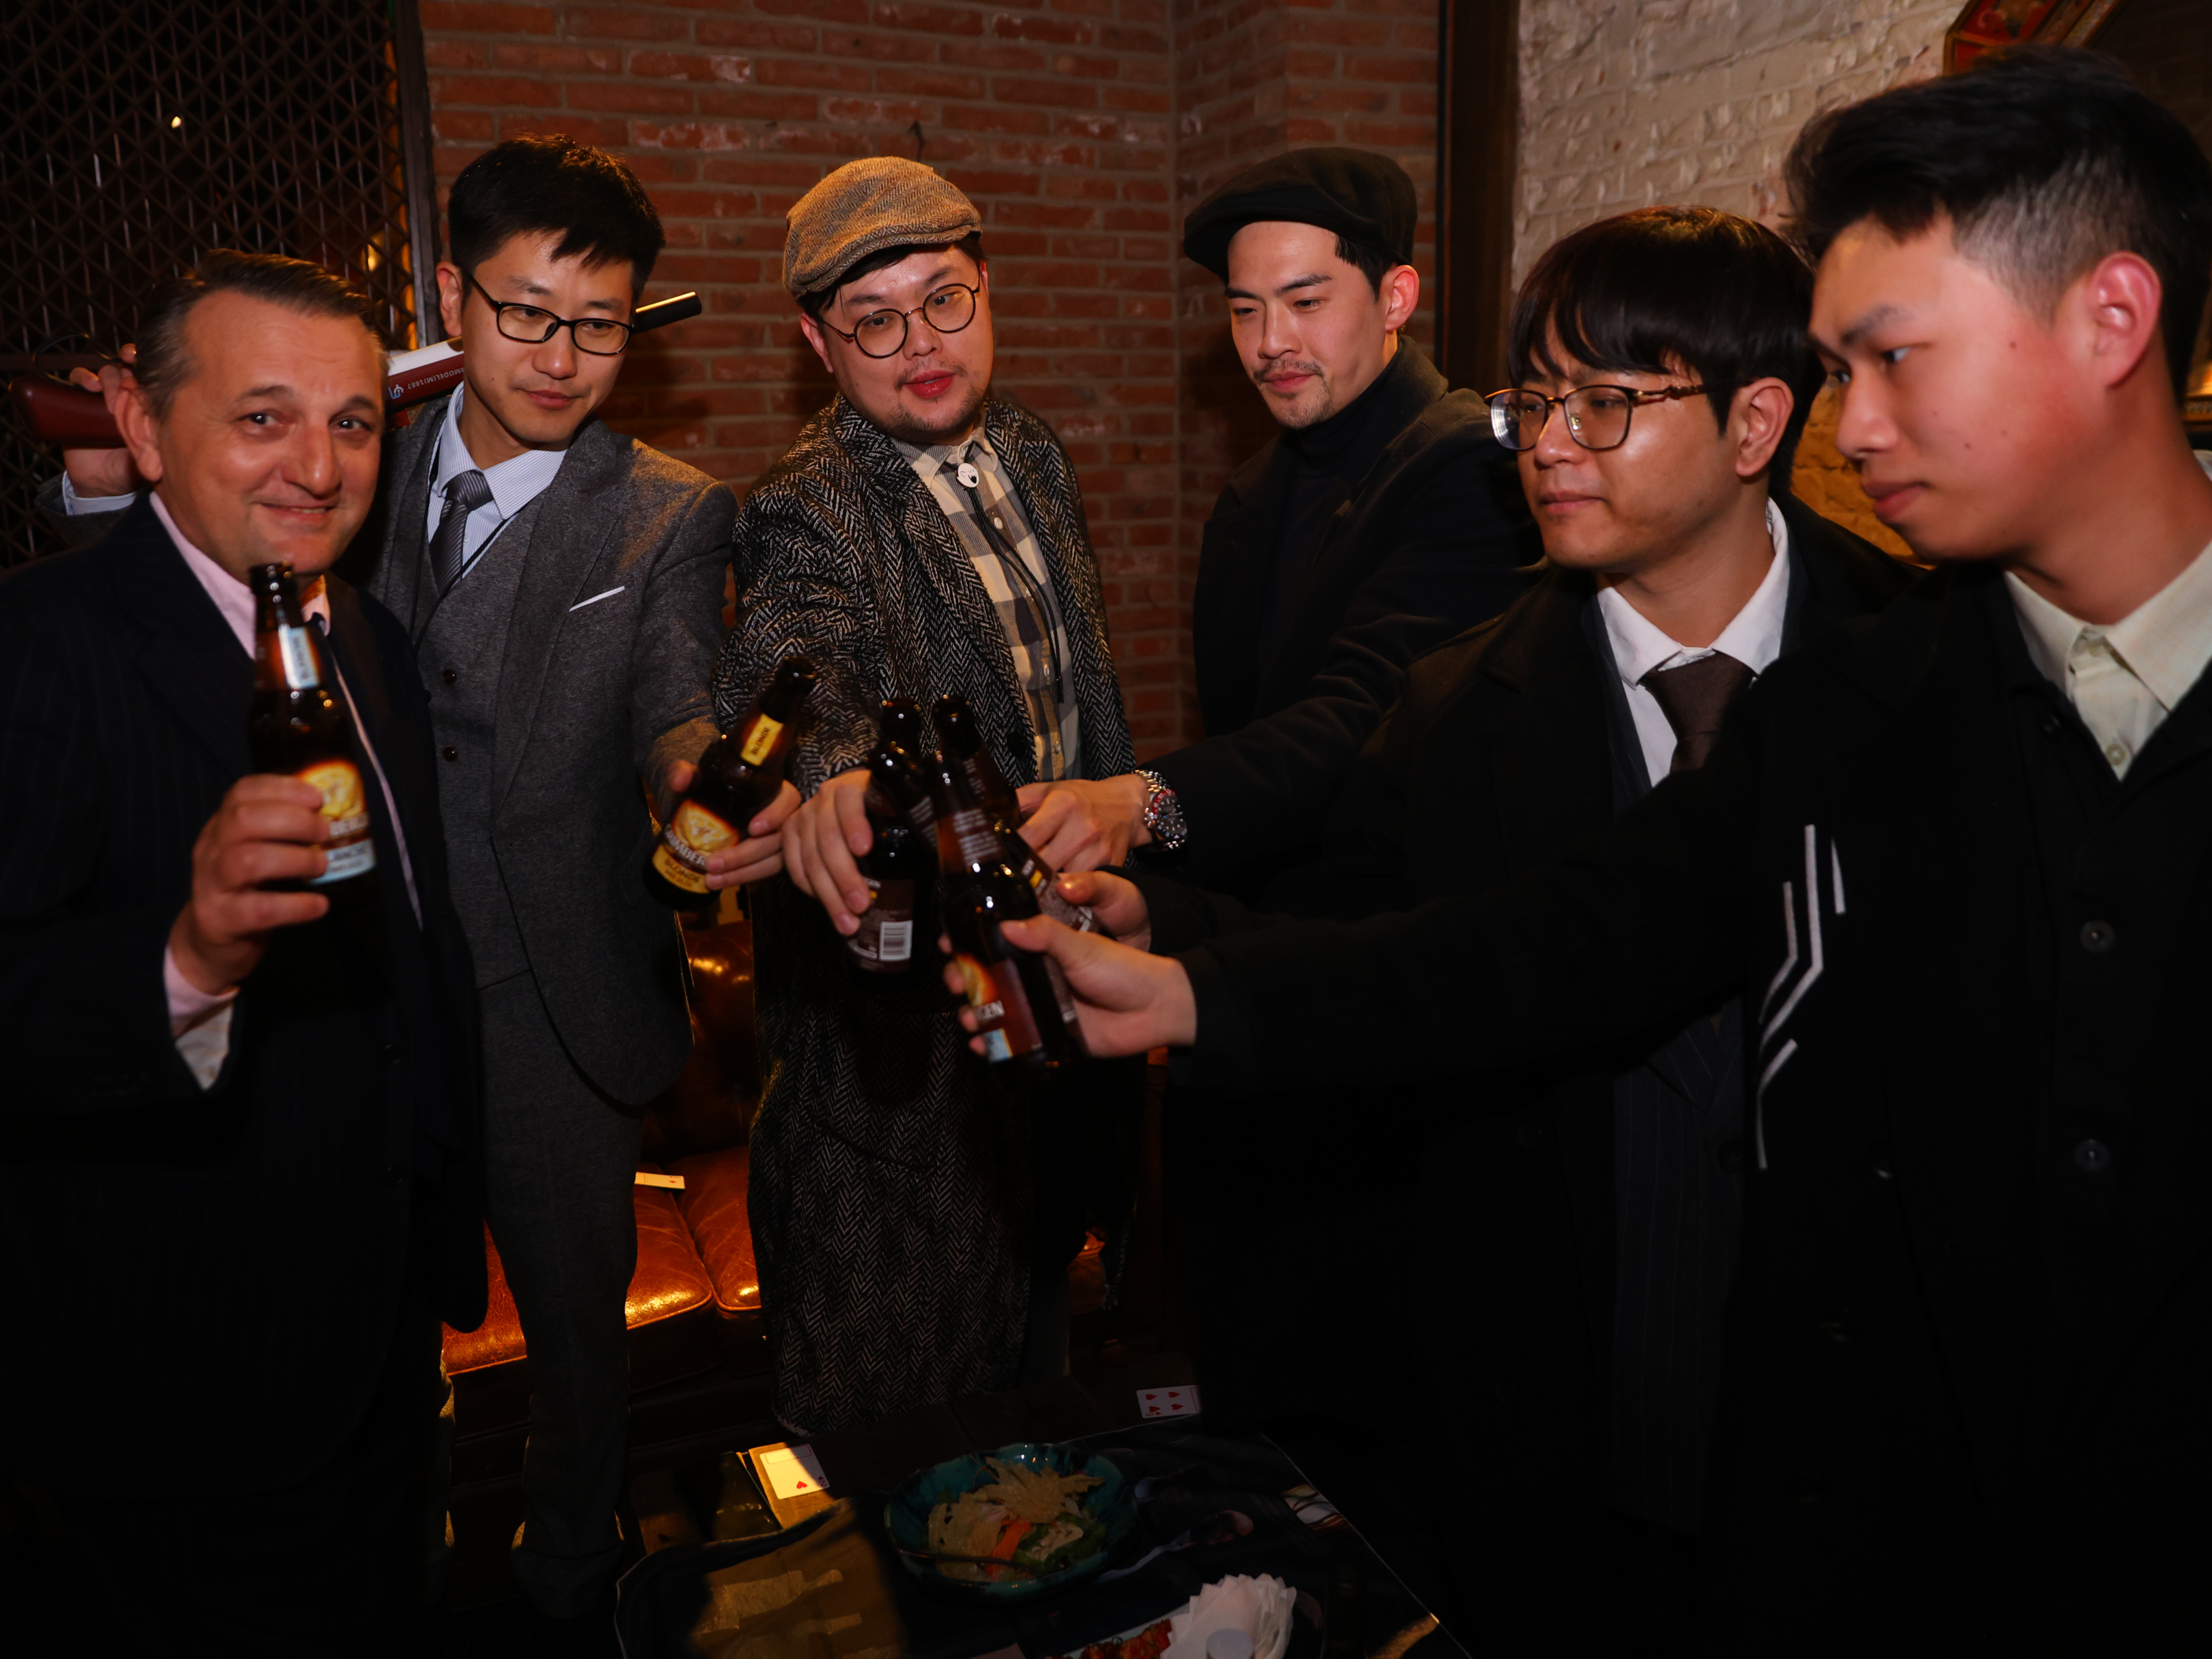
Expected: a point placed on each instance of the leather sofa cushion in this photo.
(713, 1205)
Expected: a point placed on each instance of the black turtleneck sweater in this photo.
(1335, 557)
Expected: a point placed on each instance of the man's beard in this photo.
(946, 423)
(1297, 419)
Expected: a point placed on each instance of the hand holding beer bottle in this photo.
(741, 772)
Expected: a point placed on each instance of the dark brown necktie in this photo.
(1695, 697)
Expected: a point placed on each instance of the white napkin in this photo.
(1260, 1608)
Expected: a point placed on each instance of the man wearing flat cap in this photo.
(1383, 521)
(921, 536)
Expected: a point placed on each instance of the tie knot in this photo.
(1694, 696)
(467, 490)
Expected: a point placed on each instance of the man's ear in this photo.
(452, 295)
(133, 417)
(2115, 307)
(812, 330)
(1757, 417)
(1402, 297)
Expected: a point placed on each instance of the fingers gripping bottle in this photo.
(964, 745)
(740, 773)
(902, 859)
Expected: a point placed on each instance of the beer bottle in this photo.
(298, 728)
(740, 773)
(1024, 1011)
(964, 746)
(899, 862)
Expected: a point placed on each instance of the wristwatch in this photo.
(1163, 813)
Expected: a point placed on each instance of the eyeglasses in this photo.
(882, 333)
(1597, 415)
(602, 337)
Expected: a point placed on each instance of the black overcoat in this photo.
(207, 1278)
(1434, 537)
(1905, 1462)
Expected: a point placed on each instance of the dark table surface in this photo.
(726, 1583)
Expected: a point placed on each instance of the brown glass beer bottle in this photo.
(1023, 1009)
(740, 773)
(900, 861)
(964, 746)
(300, 728)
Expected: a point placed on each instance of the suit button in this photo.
(447, 675)
(449, 753)
(2098, 937)
(1731, 1155)
(1883, 1161)
(1530, 1135)
(2092, 1156)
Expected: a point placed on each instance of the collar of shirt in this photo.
(232, 596)
(515, 481)
(2165, 642)
(1753, 637)
(930, 463)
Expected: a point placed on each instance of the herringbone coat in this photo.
(890, 1197)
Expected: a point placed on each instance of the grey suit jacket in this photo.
(591, 701)
(595, 694)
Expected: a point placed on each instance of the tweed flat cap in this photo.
(864, 207)
(1363, 198)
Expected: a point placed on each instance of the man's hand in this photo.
(1078, 824)
(267, 829)
(821, 842)
(1118, 902)
(760, 854)
(1128, 1002)
(94, 472)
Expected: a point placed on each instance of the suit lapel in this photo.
(190, 656)
(576, 518)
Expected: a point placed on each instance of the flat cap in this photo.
(864, 207)
(1363, 198)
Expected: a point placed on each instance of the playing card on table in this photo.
(791, 1471)
(1181, 1400)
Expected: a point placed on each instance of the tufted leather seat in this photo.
(694, 1298)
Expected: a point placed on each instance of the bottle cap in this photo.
(1229, 1644)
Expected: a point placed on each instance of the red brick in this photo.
(689, 66)
(493, 89)
(631, 98)
(557, 60)
(619, 23)
(468, 17)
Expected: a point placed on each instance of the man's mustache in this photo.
(1280, 371)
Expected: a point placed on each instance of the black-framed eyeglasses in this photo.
(1597, 415)
(602, 337)
(882, 333)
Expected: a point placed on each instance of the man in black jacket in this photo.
(239, 1185)
(1381, 523)
(1952, 858)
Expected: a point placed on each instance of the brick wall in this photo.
(1083, 128)
(1626, 103)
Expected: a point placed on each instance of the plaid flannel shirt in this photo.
(1013, 568)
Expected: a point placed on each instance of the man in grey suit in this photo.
(563, 587)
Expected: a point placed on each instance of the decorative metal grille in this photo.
(135, 137)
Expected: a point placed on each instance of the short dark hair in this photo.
(2045, 159)
(549, 183)
(164, 363)
(1372, 262)
(884, 259)
(1667, 290)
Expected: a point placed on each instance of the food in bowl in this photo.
(1027, 1522)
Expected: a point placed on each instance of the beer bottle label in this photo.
(760, 738)
(886, 933)
(1002, 1016)
(692, 833)
(299, 653)
(351, 850)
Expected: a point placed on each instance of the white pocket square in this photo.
(596, 597)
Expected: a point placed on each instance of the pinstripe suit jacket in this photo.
(218, 1270)
(891, 1199)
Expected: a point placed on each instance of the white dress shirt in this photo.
(515, 483)
(1753, 638)
(200, 1022)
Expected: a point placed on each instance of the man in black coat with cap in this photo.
(1379, 525)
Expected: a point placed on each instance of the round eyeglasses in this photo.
(602, 337)
(882, 333)
(1597, 415)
